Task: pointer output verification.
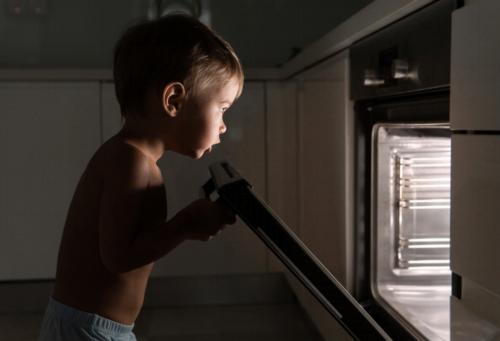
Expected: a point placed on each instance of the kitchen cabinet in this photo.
(475, 221)
(282, 151)
(323, 140)
(322, 136)
(475, 67)
(48, 132)
(475, 123)
(475, 228)
(307, 151)
(308, 137)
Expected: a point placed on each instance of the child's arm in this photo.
(124, 244)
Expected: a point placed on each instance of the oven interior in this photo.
(410, 224)
(402, 213)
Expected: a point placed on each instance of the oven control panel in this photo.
(407, 56)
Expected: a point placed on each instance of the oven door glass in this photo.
(410, 268)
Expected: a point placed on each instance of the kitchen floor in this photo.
(242, 307)
(259, 322)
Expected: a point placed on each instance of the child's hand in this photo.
(202, 219)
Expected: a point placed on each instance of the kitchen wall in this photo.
(78, 34)
(81, 34)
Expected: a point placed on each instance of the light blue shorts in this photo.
(64, 323)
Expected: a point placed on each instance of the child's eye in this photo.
(224, 109)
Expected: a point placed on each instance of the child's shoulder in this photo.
(119, 157)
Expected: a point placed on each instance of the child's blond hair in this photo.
(174, 48)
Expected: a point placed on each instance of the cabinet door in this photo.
(322, 162)
(475, 67)
(475, 206)
(282, 151)
(48, 132)
(323, 180)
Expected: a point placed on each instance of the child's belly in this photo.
(118, 297)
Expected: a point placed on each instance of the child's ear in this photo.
(173, 97)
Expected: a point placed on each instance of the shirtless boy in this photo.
(174, 79)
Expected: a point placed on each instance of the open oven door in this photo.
(237, 193)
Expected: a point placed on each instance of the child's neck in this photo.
(144, 137)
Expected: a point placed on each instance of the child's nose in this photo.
(222, 128)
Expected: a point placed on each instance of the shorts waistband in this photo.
(94, 320)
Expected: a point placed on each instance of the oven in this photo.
(400, 90)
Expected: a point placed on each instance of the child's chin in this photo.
(199, 154)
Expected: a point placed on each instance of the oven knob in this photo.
(371, 78)
(400, 69)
